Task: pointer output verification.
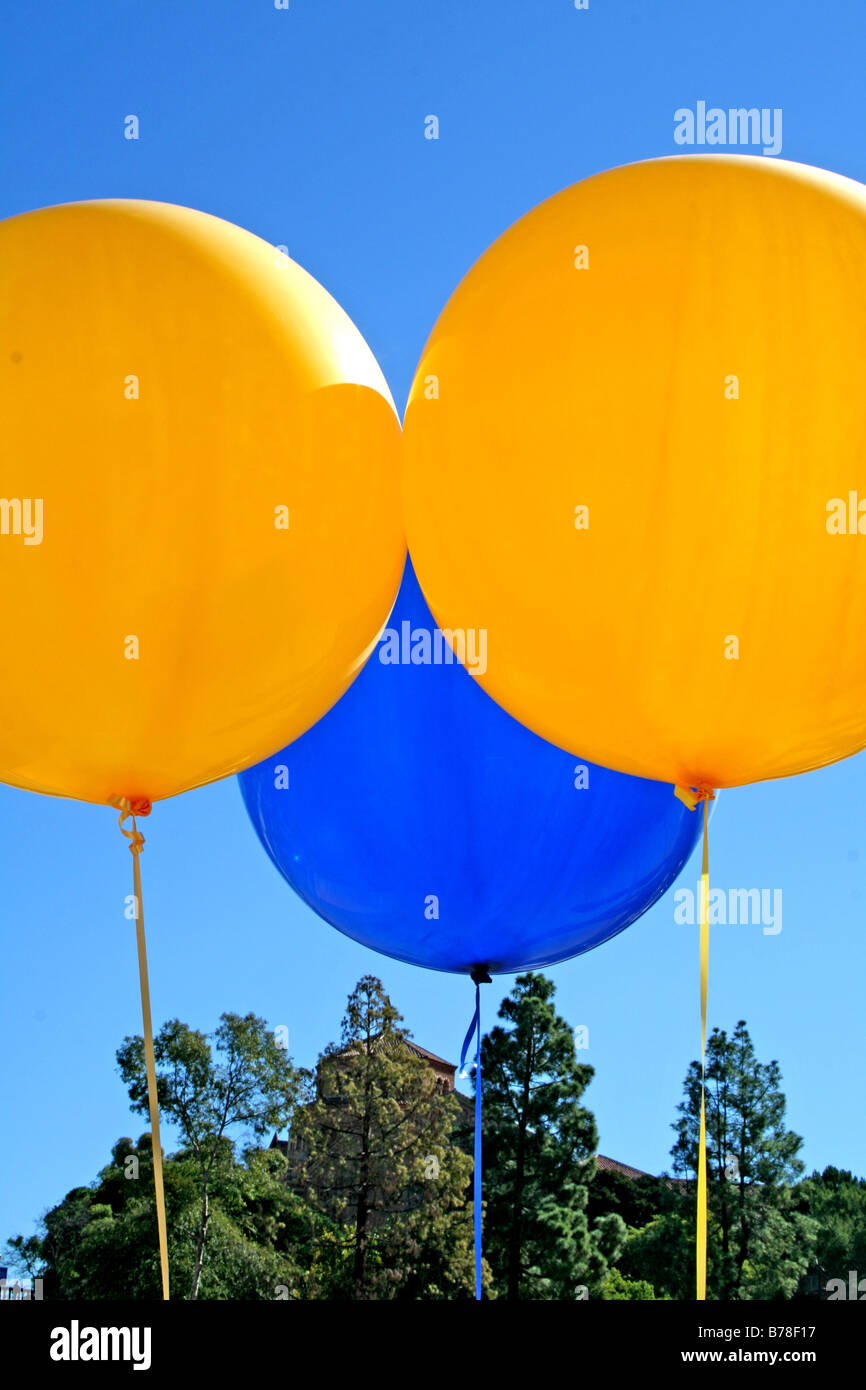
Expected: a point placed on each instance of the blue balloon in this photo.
(423, 821)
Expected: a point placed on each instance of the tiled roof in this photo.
(412, 1046)
(612, 1165)
(430, 1056)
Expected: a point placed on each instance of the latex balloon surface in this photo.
(200, 531)
(424, 822)
(634, 454)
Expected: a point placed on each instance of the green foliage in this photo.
(375, 1201)
(538, 1144)
(764, 1246)
(781, 1252)
(378, 1158)
(836, 1201)
(636, 1200)
(662, 1254)
(100, 1242)
(615, 1287)
(246, 1080)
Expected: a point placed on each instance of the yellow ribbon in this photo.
(129, 809)
(691, 798)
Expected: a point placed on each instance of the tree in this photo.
(378, 1156)
(616, 1287)
(763, 1243)
(249, 1083)
(659, 1250)
(636, 1200)
(836, 1201)
(538, 1146)
(662, 1254)
(264, 1242)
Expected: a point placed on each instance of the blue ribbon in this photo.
(475, 1027)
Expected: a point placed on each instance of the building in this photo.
(445, 1073)
(612, 1165)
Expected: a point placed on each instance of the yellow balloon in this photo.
(634, 454)
(200, 529)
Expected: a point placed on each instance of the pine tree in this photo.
(378, 1156)
(538, 1146)
(762, 1245)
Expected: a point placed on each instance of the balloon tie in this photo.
(480, 977)
(130, 808)
(691, 798)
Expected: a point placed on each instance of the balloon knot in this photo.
(131, 807)
(693, 796)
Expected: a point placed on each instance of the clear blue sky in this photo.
(307, 128)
